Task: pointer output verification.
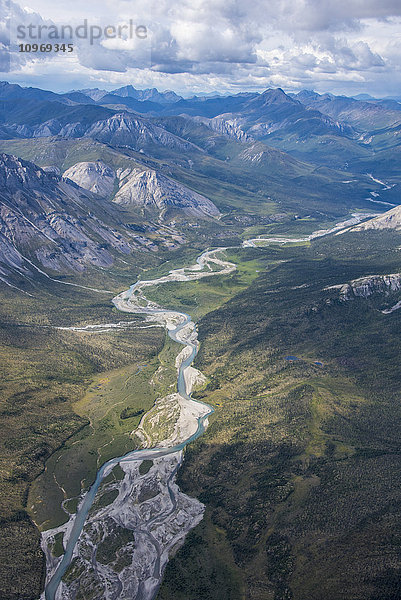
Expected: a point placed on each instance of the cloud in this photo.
(93, 48)
(226, 44)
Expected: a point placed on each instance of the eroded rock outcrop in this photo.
(93, 176)
(373, 284)
(154, 190)
(389, 220)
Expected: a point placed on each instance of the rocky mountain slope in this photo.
(52, 223)
(185, 133)
(389, 220)
(245, 151)
(120, 129)
(358, 113)
(322, 128)
(384, 287)
(226, 125)
(263, 116)
(140, 188)
(123, 129)
(364, 287)
(151, 189)
(93, 176)
(275, 111)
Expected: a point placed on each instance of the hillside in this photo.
(52, 221)
(299, 467)
(389, 220)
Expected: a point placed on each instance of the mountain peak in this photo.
(155, 190)
(95, 93)
(126, 90)
(304, 94)
(152, 94)
(275, 96)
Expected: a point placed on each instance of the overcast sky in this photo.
(192, 46)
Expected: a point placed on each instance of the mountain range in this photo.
(90, 175)
(337, 131)
(53, 220)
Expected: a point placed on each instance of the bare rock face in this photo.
(53, 222)
(154, 190)
(389, 220)
(373, 284)
(93, 176)
(142, 188)
(226, 124)
(386, 286)
(17, 175)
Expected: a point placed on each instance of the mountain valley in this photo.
(261, 231)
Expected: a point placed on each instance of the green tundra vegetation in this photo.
(277, 466)
(44, 372)
(202, 296)
(70, 400)
(300, 467)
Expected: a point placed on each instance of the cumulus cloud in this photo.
(230, 44)
(93, 47)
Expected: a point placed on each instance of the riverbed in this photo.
(161, 522)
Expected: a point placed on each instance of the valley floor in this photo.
(299, 467)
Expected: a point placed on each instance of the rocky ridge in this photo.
(142, 188)
(121, 129)
(364, 287)
(93, 176)
(152, 189)
(57, 224)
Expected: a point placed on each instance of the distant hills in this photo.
(128, 91)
